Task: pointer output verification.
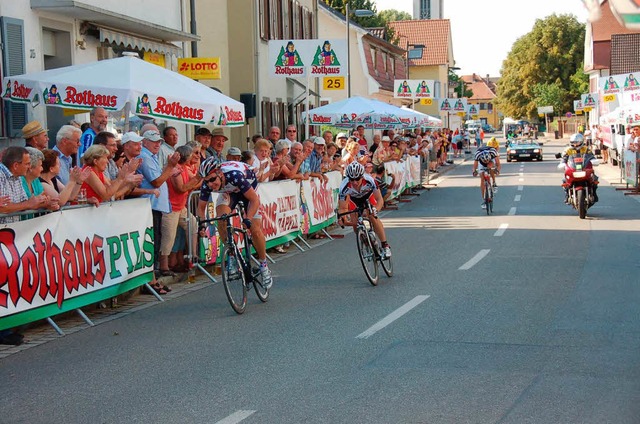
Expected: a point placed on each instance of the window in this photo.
(385, 63)
(374, 58)
(415, 51)
(393, 66)
(483, 106)
(490, 107)
(13, 63)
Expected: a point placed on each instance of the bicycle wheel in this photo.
(367, 256)
(233, 279)
(487, 197)
(490, 205)
(261, 291)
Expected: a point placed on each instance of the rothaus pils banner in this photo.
(318, 58)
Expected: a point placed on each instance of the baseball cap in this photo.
(385, 138)
(152, 135)
(234, 151)
(319, 140)
(131, 136)
(203, 131)
(341, 135)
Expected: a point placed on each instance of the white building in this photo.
(428, 9)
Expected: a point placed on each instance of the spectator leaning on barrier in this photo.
(98, 119)
(15, 164)
(108, 140)
(35, 136)
(291, 134)
(262, 166)
(51, 183)
(315, 159)
(217, 144)
(67, 143)
(180, 184)
(203, 136)
(194, 163)
(98, 185)
(31, 182)
(156, 177)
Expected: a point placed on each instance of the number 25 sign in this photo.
(333, 83)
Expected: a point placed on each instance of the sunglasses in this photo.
(210, 180)
(355, 179)
(292, 130)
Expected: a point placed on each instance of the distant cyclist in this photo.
(235, 182)
(358, 186)
(486, 157)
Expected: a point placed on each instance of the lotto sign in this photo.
(333, 83)
(199, 67)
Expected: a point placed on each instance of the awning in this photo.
(128, 40)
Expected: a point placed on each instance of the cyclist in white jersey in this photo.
(486, 157)
(357, 186)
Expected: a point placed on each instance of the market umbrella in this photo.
(146, 89)
(353, 111)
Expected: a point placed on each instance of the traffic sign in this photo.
(569, 114)
(333, 83)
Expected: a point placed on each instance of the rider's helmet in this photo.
(576, 140)
(354, 170)
(493, 143)
(207, 166)
(484, 157)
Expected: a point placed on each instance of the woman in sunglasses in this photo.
(357, 187)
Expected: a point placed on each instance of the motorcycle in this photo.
(580, 181)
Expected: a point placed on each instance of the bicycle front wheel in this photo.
(233, 279)
(261, 291)
(487, 197)
(367, 256)
(387, 265)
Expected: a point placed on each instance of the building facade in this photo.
(428, 9)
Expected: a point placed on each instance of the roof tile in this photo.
(432, 33)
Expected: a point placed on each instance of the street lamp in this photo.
(359, 13)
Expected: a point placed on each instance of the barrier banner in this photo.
(69, 259)
(319, 200)
(280, 210)
(630, 161)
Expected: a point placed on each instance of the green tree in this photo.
(375, 21)
(391, 15)
(461, 88)
(544, 63)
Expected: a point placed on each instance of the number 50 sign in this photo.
(333, 83)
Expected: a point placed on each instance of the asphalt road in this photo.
(526, 316)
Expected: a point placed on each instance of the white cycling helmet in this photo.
(484, 157)
(207, 166)
(354, 170)
(576, 140)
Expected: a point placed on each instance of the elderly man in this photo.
(35, 136)
(67, 144)
(168, 147)
(155, 177)
(296, 156)
(98, 118)
(314, 159)
(203, 136)
(234, 154)
(291, 134)
(217, 144)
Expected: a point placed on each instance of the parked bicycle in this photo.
(239, 268)
(370, 248)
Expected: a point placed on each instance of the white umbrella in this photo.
(148, 89)
(353, 111)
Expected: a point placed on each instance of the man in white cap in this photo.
(234, 154)
(35, 136)
(155, 177)
(341, 141)
(315, 159)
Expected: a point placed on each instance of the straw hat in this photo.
(32, 129)
(219, 131)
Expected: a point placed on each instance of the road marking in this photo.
(236, 417)
(521, 179)
(522, 174)
(481, 254)
(512, 211)
(517, 198)
(520, 188)
(501, 230)
(392, 316)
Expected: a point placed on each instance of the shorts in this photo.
(459, 144)
(483, 168)
(232, 199)
(433, 155)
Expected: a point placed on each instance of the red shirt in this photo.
(178, 200)
(91, 192)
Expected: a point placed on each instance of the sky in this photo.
(483, 31)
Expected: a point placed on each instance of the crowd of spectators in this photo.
(95, 166)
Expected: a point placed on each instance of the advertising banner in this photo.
(320, 58)
(319, 200)
(279, 208)
(577, 106)
(588, 101)
(419, 89)
(69, 259)
(199, 67)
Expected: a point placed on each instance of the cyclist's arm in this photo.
(254, 202)
(475, 166)
(498, 165)
(379, 200)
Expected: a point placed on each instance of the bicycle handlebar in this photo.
(222, 217)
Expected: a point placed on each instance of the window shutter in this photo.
(13, 63)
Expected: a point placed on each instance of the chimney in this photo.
(488, 80)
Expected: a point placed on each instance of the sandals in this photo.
(159, 289)
(279, 249)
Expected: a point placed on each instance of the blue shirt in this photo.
(314, 162)
(65, 166)
(151, 170)
(86, 140)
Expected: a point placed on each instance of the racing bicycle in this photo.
(239, 268)
(489, 189)
(369, 246)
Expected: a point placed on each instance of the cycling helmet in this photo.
(354, 170)
(493, 143)
(576, 140)
(207, 166)
(484, 157)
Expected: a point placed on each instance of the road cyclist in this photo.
(235, 182)
(486, 159)
(357, 187)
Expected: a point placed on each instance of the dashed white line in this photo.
(512, 211)
(501, 230)
(521, 179)
(520, 188)
(392, 316)
(517, 198)
(477, 258)
(522, 174)
(236, 417)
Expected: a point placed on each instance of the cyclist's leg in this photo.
(257, 238)
(223, 203)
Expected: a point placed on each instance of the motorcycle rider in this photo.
(578, 146)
